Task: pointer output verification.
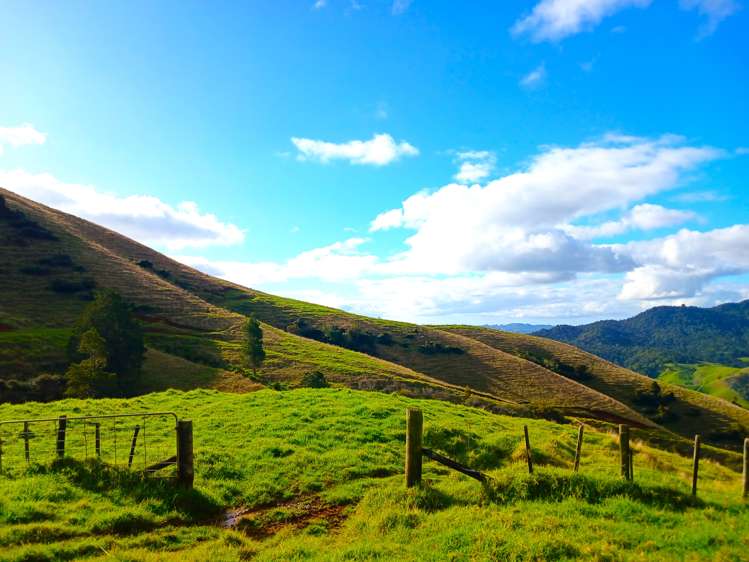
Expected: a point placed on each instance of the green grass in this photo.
(711, 378)
(319, 475)
(28, 352)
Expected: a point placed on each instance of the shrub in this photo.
(314, 379)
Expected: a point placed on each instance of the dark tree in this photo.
(314, 379)
(113, 320)
(254, 352)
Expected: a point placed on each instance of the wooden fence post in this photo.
(746, 468)
(624, 450)
(61, 427)
(97, 438)
(579, 446)
(528, 454)
(26, 434)
(695, 464)
(132, 446)
(414, 427)
(185, 469)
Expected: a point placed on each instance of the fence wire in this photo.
(143, 442)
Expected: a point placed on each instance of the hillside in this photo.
(666, 334)
(318, 475)
(197, 317)
(729, 383)
(681, 410)
(192, 323)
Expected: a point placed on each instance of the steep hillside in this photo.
(188, 314)
(681, 410)
(666, 334)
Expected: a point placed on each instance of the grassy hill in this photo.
(51, 262)
(317, 475)
(665, 334)
(197, 317)
(683, 411)
(729, 383)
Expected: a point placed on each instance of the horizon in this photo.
(404, 160)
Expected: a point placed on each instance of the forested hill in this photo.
(665, 334)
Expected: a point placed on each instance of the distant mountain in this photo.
(519, 327)
(665, 334)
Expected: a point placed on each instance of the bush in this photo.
(314, 379)
(70, 287)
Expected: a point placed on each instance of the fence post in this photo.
(414, 427)
(579, 446)
(97, 433)
(695, 464)
(528, 455)
(185, 470)
(132, 446)
(26, 441)
(624, 450)
(61, 427)
(746, 468)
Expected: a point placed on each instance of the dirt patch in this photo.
(263, 522)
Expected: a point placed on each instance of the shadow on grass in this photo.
(164, 495)
(556, 487)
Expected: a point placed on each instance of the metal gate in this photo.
(147, 442)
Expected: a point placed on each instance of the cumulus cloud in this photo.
(641, 217)
(475, 165)
(336, 262)
(517, 222)
(535, 78)
(714, 11)
(144, 218)
(380, 150)
(552, 20)
(21, 135)
(681, 264)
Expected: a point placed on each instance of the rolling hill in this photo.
(51, 262)
(665, 334)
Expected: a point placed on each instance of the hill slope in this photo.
(665, 334)
(196, 318)
(681, 410)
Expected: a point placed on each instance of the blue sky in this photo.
(541, 161)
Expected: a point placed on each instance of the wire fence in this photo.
(144, 441)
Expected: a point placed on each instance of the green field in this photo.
(729, 383)
(318, 475)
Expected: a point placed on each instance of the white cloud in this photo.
(144, 218)
(700, 197)
(641, 217)
(552, 20)
(320, 4)
(535, 78)
(336, 262)
(20, 135)
(517, 222)
(715, 11)
(475, 165)
(401, 6)
(380, 150)
(681, 264)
